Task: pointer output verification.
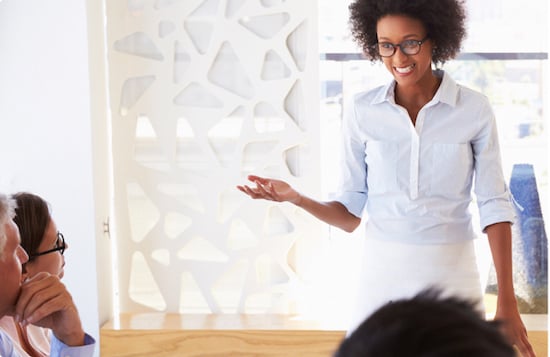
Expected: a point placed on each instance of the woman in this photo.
(45, 246)
(413, 150)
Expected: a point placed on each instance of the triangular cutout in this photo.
(132, 90)
(139, 44)
(294, 157)
(295, 43)
(143, 288)
(228, 73)
(274, 67)
(209, 8)
(191, 297)
(271, 3)
(265, 26)
(294, 105)
(161, 256)
(200, 33)
(195, 95)
(144, 128)
(232, 7)
(224, 136)
(230, 202)
(277, 222)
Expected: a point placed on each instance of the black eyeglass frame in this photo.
(400, 45)
(58, 248)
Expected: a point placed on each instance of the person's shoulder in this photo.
(470, 92)
(465, 92)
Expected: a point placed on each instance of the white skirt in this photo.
(395, 270)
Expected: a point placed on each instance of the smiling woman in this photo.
(426, 214)
(512, 75)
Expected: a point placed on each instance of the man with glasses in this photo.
(41, 299)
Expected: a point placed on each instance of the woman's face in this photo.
(408, 70)
(53, 262)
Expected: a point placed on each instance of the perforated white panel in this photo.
(204, 92)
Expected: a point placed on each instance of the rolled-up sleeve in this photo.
(352, 188)
(493, 196)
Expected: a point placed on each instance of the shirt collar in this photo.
(448, 89)
(446, 93)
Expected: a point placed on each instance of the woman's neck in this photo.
(418, 95)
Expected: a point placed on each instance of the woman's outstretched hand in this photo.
(271, 189)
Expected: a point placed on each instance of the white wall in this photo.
(45, 127)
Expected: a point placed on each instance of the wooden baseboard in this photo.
(168, 343)
(169, 335)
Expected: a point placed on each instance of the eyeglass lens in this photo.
(59, 246)
(408, 47)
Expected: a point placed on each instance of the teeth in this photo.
(404, 69)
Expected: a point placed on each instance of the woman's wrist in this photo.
(298, 200)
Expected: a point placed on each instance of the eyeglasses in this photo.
(408, 47)
(59, 247)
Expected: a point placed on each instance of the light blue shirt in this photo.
(415, 181)
(57, 348)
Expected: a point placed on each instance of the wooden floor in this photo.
(164, 335)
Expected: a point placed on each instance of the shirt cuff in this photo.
(59, 349)
(353, 201)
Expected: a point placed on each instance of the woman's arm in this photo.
(500, 241)
(333, 213)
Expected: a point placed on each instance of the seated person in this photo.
(427, 325)
(45, 247)
(41, 299)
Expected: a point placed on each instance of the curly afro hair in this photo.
(444, 21)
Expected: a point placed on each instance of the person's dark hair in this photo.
(426, 325)
(443, 19)
(32, 217)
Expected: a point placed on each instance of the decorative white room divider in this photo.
(204, 92)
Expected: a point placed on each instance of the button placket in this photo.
(415, 155)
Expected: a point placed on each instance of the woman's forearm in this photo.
(333, 213)
(500, 242)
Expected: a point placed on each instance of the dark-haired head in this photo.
(444, 21)
(427, 325)
(32, 217)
